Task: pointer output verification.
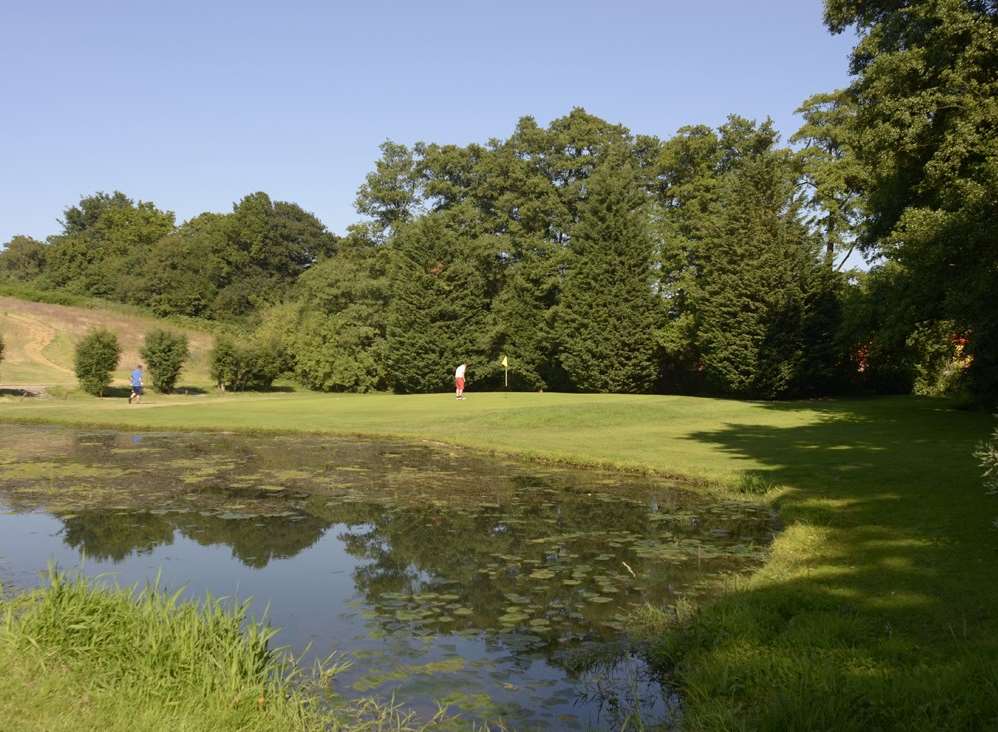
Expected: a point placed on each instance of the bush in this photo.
(97, 355)
(253, 366)
(164, 353)
(941, 361)
(333, 354)
(987, 454)
(1, 349)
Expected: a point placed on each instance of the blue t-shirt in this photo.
(137, 377)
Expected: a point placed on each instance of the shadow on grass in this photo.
(879, 608)
(282, 389)
(17, 391)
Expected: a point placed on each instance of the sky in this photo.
(193, 105)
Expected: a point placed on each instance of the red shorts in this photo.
(459, 382)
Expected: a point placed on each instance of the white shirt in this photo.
(459, 373)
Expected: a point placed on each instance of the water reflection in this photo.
(501, 588)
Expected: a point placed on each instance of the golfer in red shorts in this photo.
(459, 381)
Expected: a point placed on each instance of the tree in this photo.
(226, 266)
(690, 177)
(104, 245)
(187, 268)
(338, 339)
(1, 348)
(925, 133)
(608, 309)
(97, 355)
(832, 171)
(164, 353)
(442, 282)
(246, 365)
(525, 321)
(23, 259)
(758, 263)
(391, 195)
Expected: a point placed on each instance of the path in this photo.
(40, 335)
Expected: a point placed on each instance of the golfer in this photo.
(459, 380)
(136, 396)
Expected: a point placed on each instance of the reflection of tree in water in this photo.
(430, 558)
(114, 536)
(422, 548)
(255, 540)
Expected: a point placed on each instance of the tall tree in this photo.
(525, 317)
(442, 282)
(23, 259)
(337, 339)
(926, 132)
(831, 171)
(757, 264)
(104, 244)
(229, 265)
(608, 308)
(392, 194)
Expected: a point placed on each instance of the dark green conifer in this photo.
(442, 283)
(608, 307)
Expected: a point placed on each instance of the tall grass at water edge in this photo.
(79, 655)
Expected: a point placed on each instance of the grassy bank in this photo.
(878, 608)
(40, 340)
(79, 657)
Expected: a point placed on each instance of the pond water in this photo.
(501, 589)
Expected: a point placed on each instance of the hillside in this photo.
(40, 339)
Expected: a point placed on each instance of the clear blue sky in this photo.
(194, 104)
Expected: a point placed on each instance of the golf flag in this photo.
(505, 362)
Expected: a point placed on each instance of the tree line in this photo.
(599, 259)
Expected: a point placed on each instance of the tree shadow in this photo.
(20, 391)
(116, 392)
(878, 606)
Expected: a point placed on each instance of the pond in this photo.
(499, 588)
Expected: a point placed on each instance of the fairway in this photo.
(879, 595)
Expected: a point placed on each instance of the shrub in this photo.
(987, 454)
(164, 353)
(245, 367)
(1, 349)
(941, 361)
(97, 356)
(333, 354)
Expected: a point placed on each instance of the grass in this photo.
(878, 607)
(40, 339)
(117, 659)
(81, 656)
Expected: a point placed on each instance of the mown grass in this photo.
(878, 607)
(77, 655)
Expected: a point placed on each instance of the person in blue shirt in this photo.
(136, 396)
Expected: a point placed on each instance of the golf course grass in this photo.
(878, 607)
